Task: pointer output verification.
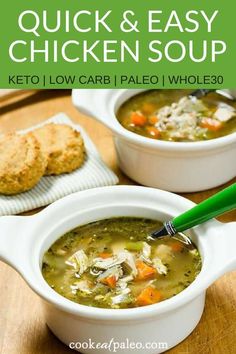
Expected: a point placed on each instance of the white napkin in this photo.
(93, 173)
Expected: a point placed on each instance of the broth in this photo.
(169, 115)
(110, 264)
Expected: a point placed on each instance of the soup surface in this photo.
(110, 264)
(170, 115)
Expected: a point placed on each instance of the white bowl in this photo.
(25, 239)
(173, 166)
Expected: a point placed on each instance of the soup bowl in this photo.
(150, 329)
(173, 166)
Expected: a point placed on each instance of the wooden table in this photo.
(22, 326)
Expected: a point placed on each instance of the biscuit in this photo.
(63, 146)
(22, 163)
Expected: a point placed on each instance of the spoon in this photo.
(199, 93)
(214, 206)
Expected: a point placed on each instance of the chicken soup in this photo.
(173, 116)
(112, 264)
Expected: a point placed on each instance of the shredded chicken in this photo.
(129, 262)
(123, 282)
(224, 114)
(146, 250)
(106, 263)
(182, 119)
(79, 261)
(160, 267)
(164, 252)
(112, 265)
(83, 286)
(114, 271)
(122, 297)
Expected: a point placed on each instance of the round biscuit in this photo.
(63, 146)
(22, 163)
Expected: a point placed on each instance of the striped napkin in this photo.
(93, 173)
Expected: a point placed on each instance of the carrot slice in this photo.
(176, 246)
(110, 281)
(138, 119)
(148, 108)
(148, 296)
(153, 120)
(144, 271)
(154, 132)
(105, 255)
(211, 124)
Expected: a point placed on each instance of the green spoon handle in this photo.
(216, 205)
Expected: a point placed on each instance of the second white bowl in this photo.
(177, 167)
